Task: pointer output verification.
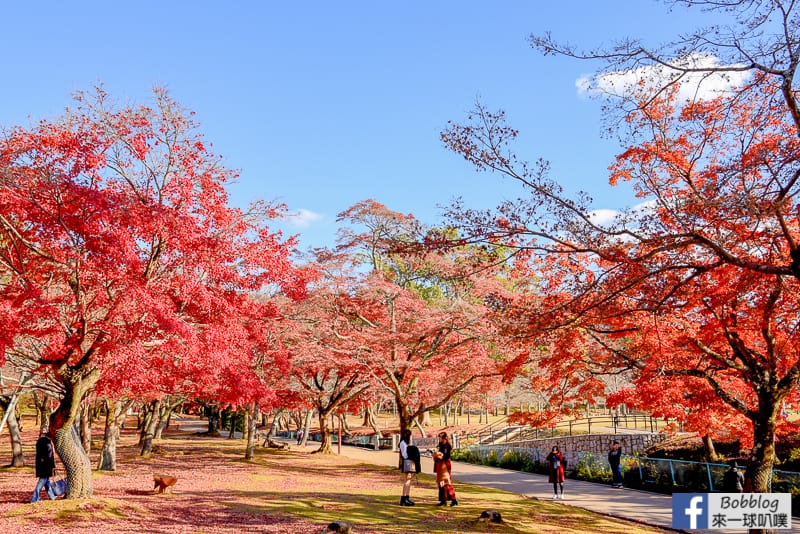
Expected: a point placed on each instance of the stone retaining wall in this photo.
(575, 447)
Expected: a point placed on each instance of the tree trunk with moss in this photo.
(77, 384)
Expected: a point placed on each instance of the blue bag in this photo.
(59, 487)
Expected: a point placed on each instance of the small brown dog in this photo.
(162, 483)
(444, 481)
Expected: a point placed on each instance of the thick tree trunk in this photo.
(150, 429)
(17, 457)
(325, 440)
(76, 463)
(143, 421)
(759, 471)
(405, 419)
(167, 409)
(65, 438)
(251, 431)
(758, 475)
(115, 415)
(108, 454)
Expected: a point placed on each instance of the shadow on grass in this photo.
(280, 491)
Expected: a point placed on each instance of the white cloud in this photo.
(301, 218)
(605, 217)
(602, 217)
(693, 86)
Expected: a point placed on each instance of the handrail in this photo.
(636, 421)
(491, 426)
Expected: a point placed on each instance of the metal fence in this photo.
(501, 431)
(657, 474)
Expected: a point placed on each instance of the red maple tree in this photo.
(118, 248)
(696, 293)
(428, 319)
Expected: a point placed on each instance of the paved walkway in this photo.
(641, 506)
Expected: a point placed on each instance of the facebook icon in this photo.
(689, 510)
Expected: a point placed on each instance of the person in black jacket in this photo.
(614, 458)
(733, 480)
(45, 467)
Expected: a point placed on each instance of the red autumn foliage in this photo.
(124, 268)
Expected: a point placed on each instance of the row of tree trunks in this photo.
(14, 431)
(275, 421)
(168, 407)
(116, 411)
(149, 428)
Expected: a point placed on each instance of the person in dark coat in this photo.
(45, 467)
(733, 480)
(555, 463)
(614, 458)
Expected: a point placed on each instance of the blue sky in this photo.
(321, 104)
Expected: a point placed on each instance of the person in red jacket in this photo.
(555, 462)
(443, 468)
